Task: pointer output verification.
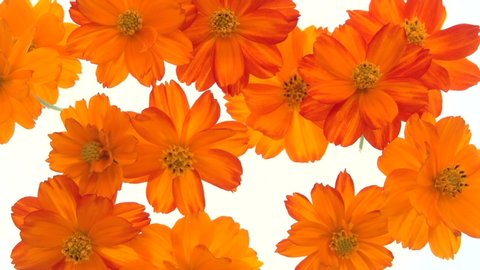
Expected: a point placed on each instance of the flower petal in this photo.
(188, 192)
(219, 168)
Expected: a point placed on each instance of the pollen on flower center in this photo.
(415, 30)
(130, 22)
(178, 159)
(451, 181)
(343, 244)
(223, 22)
(77, 248)
(93, 151)
(366, 75)
(295, 91)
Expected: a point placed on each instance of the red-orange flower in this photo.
(61, 229)
(364, 88)
(98, 143)
(195, 242)
(132, 36)
(183, 145)
(422, 21)
(338, 229)
(432, 185)
(233, 39)
(44, 23)
(279, 99)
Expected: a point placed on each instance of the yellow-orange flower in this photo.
(422, 21)
(61, 229)
(132, 36)
(98, 143)
(232, 39)
(365, 88)
(183, 145)
(432, 185)
(44, 23)
(195, 242)
(338, 229)
(279, 99)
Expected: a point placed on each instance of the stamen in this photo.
(130, 22)
(93, 151)
(451, 181)
(223, 22)
(77, 248)
(366, 75)
(343, 244)
(416, 32)
(295, 91)
(178, 159)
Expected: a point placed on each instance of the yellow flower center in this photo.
(77, 248)
(366, 75)
(178, 159)
(130, 22)
(343, 244)
(416, 33)
(295, 91)
(451, 181)
(93, 151)
(223, 22)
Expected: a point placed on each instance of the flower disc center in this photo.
(223, 22)
(130, 22)
(416, 32)
(295, 91)
(178, 159)
(451, 181)
(343, 244)
(366, 75)
(77, 248)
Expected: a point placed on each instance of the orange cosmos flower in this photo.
(280, 98)
(422, 21)
(49, 32)
(233, 39)
(132, 36)
(338, 229)
(19, 71)
(195, 242)
(61, 229)
(96, 146)
(365, 89)
(183, 145)
(432, 185)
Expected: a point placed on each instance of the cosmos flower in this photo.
(338, 229)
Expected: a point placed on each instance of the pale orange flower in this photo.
(98, 143)
(44, 21)
(280, 98)
(432, 185)
(364, 88)
(19, 71)
(338, 229)
(61, 229)
(232, 39)
(132, 36)
(182, 145)
(195, 242)
(422, 21)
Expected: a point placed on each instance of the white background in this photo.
(258, 204)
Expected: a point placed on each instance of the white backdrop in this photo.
(258, 204)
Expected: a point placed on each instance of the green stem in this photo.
(362, 140)
(48, 105)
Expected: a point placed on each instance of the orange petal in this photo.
(228, 61)
(344, 125)
(409, 95)
(171, 99)
(387, 47)
(59, 195)
(175, 48)
(105, 13)
(332, 91)
(112, 73)
(263, 98)
(379, 138)
(22, 208)
(203, 115)
(112, 231)
(300, 208)
(269, 21)
(344, 184)
(45, 229)
(133, 213)
(329, 205)
(160, 192)
(462, 73)
(430, 12)
(455, 42)
(219, 168)
(188, 193)
(274, 129)
(377, 108)
(304, 140)
(444, 242)
(261, 60)
(91, 209)
(27, 257)
(150, 118)
(287, 248)
(199, 69)
(334, 57)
